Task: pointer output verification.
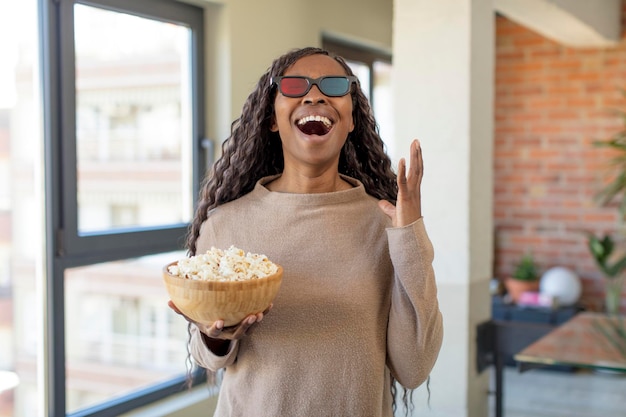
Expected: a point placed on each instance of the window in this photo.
(373, 68)
(123, 111)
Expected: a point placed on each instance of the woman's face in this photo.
(313, 128)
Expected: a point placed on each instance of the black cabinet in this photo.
(507, 312)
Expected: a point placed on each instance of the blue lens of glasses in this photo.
(334, 86)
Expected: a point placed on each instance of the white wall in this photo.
(443, 95)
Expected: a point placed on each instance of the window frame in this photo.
(359, 53)
(65, 247)
(119, 241)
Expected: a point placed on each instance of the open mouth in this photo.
(315, 125)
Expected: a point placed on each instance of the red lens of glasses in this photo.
(294, 86)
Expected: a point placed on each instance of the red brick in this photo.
(563, 90)
(551, 103)
(565, 64)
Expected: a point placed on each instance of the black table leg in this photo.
(499, 368)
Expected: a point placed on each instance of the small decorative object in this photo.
(602, 252)
(525, 278)
(535, 299)
(562, 284)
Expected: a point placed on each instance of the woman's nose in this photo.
(314, 96)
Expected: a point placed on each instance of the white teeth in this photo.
(322, 119)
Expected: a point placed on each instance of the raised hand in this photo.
(408, 206)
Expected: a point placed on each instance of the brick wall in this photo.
(551, 102)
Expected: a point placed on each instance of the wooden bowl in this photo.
(231, 301)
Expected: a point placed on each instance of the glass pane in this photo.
(362, 71)
(21, 212)
(383, 104)
(133, 121)
(120, 334)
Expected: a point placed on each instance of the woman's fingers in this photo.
(402, 173)
(408, 203)
(417, 164)
(218, 331)
(408, 207)
(171, 305)
(215, 330)
(415, 170)
(410, 179)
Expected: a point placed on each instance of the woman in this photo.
(304, 179)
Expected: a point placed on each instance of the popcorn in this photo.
(232, 264)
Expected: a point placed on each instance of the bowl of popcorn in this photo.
(222, 285)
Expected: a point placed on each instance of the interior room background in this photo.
(550, 101)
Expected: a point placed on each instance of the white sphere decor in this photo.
(562, 284)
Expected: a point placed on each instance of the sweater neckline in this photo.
(335, 197)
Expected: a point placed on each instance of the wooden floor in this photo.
(541, 393)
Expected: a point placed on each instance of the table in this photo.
(588, 340)
(496, 341)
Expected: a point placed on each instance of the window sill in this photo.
(196, 402)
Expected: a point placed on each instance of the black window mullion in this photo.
(54, 307)
(67, 139)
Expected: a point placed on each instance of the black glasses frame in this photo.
(314, 81)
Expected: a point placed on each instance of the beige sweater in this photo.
(358, 302)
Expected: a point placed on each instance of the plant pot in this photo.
(516, 287)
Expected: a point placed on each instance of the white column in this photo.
(443, 83)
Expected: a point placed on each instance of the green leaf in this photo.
(599, 249)
(617, 268)
(526, 269)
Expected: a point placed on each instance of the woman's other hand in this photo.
(408, 206)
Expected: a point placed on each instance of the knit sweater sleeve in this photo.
(415, 330)
(207, 359)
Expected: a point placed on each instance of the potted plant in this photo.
(602, 250)
(525, 277)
